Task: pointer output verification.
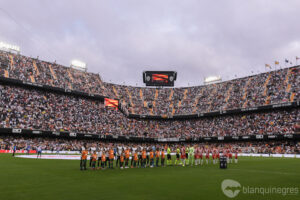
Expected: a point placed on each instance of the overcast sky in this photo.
(122, 38)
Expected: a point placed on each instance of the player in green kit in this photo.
(169, 159)
(187, 151)
(191, 155)
(177, 161)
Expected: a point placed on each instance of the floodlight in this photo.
(6, 46)
(77, 64)
(211, 79)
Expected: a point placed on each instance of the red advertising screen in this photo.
(111, 102)
(160, 78)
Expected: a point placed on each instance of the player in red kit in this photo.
(218, 155)
(182, 152)
(207, 156)
(214, 156)
(197, 156)
(227, 155)
(230, 156)
(236, 156)
(201, 157)
(226, 152)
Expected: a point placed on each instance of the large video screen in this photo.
(159, 78)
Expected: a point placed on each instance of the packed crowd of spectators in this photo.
(55, 145)
(280, 86)
(45, 73)
(41, 110)
(275, 87)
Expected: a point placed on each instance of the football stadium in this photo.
(113, 127)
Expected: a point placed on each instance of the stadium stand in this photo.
(40, 110)
(280, 86)
(34, 109)
(28, 69)
(276, 87)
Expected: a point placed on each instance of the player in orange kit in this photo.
(122, 157)
(151, 158)
(144, 156)
(157, 157)
(127, 155)
(135, 159)
(111, 158)
(103, 160)
(162, 157)
(84, 154)
(94, 159)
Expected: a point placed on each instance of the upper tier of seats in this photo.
(36, 71)
(275, 87)
(41, 110)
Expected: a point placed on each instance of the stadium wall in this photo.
(115, 138)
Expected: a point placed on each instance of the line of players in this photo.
(135, 157)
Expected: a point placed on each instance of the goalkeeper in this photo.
(191, 155)
(187, 151)
(169, 158)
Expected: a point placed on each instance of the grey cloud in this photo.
(120, 39)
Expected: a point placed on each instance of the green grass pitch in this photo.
(30, 179)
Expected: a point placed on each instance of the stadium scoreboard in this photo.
(159, 78)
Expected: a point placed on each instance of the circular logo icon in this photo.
(230, 188)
